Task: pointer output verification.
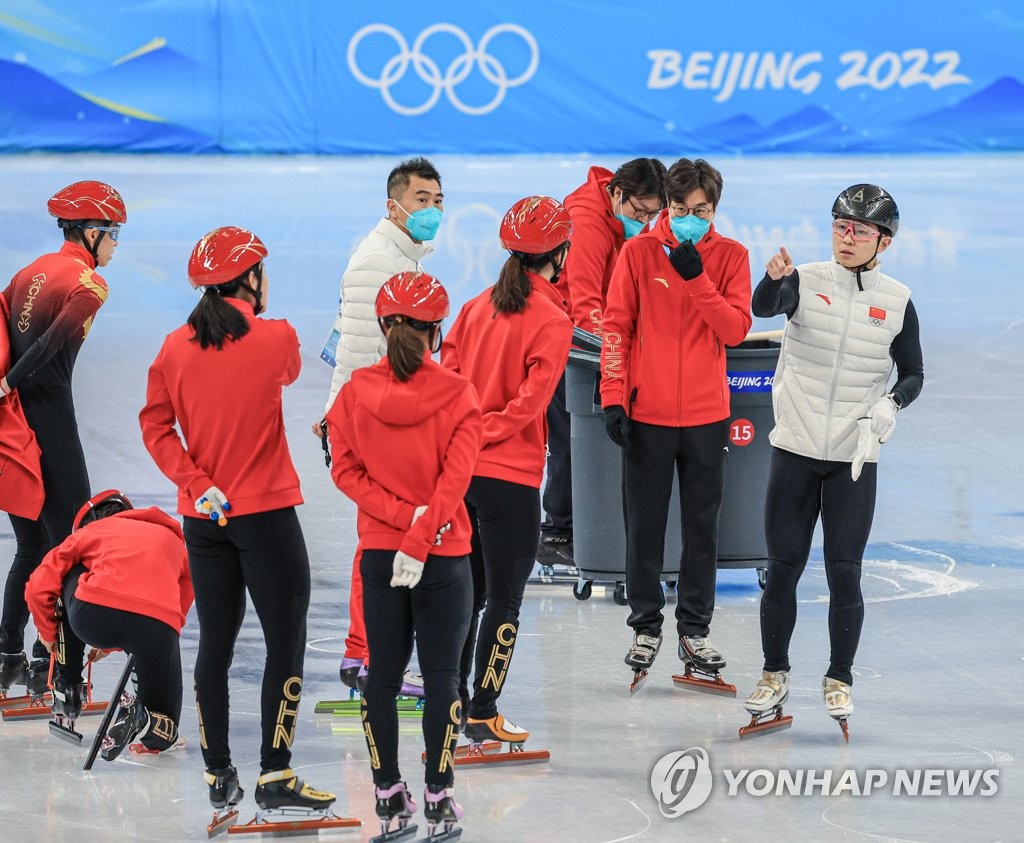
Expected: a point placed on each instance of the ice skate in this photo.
(288, 805)
(67, 707)
(37, 704)
(442, 813)
(838, 702)
(765, 704)
(348, 671)
(225, 793)
(37, 679)
(13, 670)
(131, 720)
(641, 656)
(486, 737)
(555, 550)
(394, 803)
(412, 685)
(702, 665)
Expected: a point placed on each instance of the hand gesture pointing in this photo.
(780, 265)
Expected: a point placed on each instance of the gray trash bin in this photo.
(599, 535)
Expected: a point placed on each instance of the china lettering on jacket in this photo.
(33, 291)
(612, 355)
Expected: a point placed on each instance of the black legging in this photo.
(66, 481)
(436, 611)
(506, 523)
(657, 453)
(799, 488)
(154, 644)
(265, 554)
(557, 500)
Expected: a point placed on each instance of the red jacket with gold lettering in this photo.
(663, 357)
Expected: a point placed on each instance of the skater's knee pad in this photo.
(162, 733)
(843, 578)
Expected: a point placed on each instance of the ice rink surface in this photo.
(939, 671)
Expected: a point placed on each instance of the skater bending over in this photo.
(52, 304)
(219, 378)
(678, 296)
(512, 342)
(404, 436)
(119, 581)
(847, 324)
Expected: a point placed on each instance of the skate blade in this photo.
(222, 822)
(66, 733)
(24, 700)
(844, 726)
(43, 711)
(487, 747)
(710, 685)
(441, 835)
(406, 706)
(760, 726)
(515, 756)
(141, 749)
(261, 825)
(639, 680)
(395, 834)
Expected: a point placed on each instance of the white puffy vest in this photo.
(835, 362)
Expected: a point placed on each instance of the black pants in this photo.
(154, 644)
(557, 499)
(436, 611)
(698, 455)
(66, 482)
(506, 523)
(799, 489)
(265, 554)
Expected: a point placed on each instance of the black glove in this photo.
(616, 422)
(686, 261)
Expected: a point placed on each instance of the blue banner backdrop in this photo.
(325, 76)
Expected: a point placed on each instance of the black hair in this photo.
(685, 176)
(513, 287)
(640, 177)
(214, 320)
(400, 177)
(405, 344)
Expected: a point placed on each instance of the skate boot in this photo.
(554, 549)
(361, 677)
(486, 736)
(67, 707)
(641, 656)
(394, 802)
(442, 813)
(702, 664)
(13, 668)
(838, 702)
(765, 704)
(348, 671)
(412, 685)
(283, 792)
(37, 679)
(496, 728)
(131, 721)
(225, 793)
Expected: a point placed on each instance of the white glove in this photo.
(864, 439)
(213, 503)
(883, 417)
(417, 513)
(407, 571)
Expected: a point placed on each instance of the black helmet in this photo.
(868, 203)
(102, 505)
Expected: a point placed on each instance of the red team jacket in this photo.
(396, 446)
(663, 357)
(515, 362)
(136, 562)
(228, 406)
(597, 237)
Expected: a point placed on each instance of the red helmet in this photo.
(223, 255)
(535, 226)
(99, 506)
(88, 200)
(414, 295)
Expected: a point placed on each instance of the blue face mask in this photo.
(630, 226)
(423, 224)
(689, 228)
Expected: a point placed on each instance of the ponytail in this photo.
(405, 346)
(509, 294)
(214, 320)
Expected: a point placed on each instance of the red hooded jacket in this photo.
(514, 360)
(396, 446)
(228, 406)
(663, 356)
(597, 237)
(136, 562)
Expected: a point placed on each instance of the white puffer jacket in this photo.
(355, 340)
(835, 359)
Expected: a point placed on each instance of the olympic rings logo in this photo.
(457, 71)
